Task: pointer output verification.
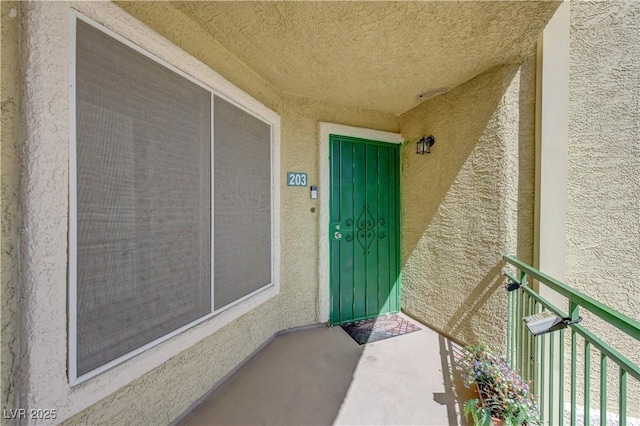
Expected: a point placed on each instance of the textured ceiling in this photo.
(377, 55)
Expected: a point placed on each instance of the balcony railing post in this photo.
(603, 390)
(623, 397)
(587, 381)
(561, 380)
(530, 345)
(542, 392)
(574, 373)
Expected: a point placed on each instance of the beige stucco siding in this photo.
(603, 196)
(161, 392)
(603, 217)
(469, 202)
(464, 206)
(10, 168)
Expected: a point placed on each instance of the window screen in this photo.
(144, 200)
(242, 221)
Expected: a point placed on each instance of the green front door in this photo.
(364, 230)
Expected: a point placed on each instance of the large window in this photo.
(171, 202)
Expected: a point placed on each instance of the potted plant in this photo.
(504, 398)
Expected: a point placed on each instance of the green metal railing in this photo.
(541, 360)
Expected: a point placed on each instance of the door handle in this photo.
(337, 235)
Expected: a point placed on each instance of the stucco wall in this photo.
(9, 136)
(469, 202)
(603, 209)
(603, 197)
(161, 394)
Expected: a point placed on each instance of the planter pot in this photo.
(496, 421)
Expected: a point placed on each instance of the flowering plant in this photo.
(503, 393)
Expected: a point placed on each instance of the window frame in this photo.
(234, 309)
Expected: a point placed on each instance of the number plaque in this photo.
(296, 179)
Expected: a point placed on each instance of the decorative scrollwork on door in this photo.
(382, 234)
(367, 229)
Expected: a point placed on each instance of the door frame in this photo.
(326, 129)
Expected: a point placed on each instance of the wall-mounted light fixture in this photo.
(547, 322)
(423, 146)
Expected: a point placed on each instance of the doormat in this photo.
(374, 329)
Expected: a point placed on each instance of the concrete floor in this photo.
(321, 376)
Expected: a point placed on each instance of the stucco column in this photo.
(552, 124)
(552, 129)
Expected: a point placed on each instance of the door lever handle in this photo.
(337, 235)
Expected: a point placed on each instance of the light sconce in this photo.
(423, 146)
(547, 322)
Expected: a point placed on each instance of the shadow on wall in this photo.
(467, 204)
(475, 299)
(470, 108)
